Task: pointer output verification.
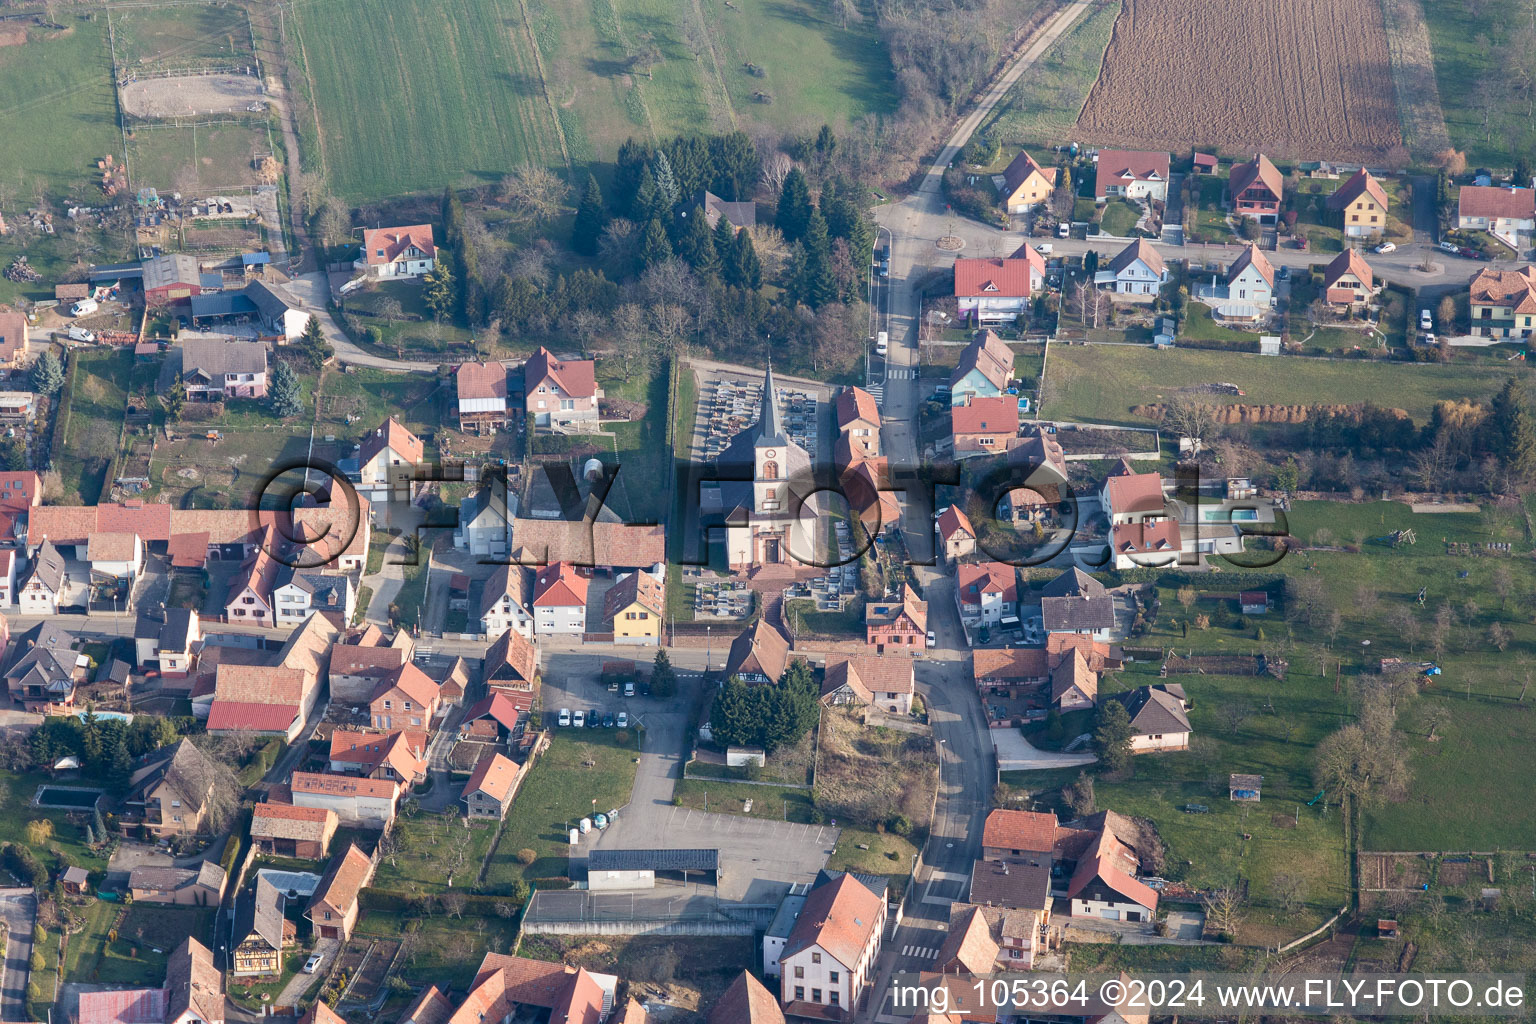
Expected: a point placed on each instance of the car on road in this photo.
(885, 267)
(629, 689)
(1386, 247)
(1426, 320)
(623, 719)
(882, 343)
(565, 717)
(579, 719)
(933, 641)
(1450, 247)
(313, 963)
(1045, 248)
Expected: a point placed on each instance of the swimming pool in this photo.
(66, 796)
(1235, 515)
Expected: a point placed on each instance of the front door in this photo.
(771, 550)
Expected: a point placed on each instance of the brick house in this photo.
(285, 830)
(334, 907)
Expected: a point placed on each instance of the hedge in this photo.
(24, 864)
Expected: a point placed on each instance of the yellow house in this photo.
(1362, 203)
(634, 606)
(1026, 184)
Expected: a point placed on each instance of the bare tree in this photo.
(1405, 624)
(535, 195)
(1191, 419)
(1498, 636)
(1354, 763)
(772, 251)
(1233, 714)
(1290, 891)
(454, 903)
(1224, 907)
(776, 167)
(1434, 717)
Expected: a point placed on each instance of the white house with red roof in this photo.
(1504, 211)
(559, 600)
(957, 537)
(829, 957)
(482, 395)
(993, 290)
(561, 394)
(394, 253)
(984, 426)
(385, 460)
(1131, 174)
(986, 592)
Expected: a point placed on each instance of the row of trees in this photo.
(770, 716)
(106, 747)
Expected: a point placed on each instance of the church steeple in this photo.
(770, 427)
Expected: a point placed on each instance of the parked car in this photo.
(608, 720)
(1450, 247)
(1386, 247)
(565, 717)
(594, 720)
(629, 689)
(623, 720)
(313, 963)
(1045, 248)
(85, 307)
(933, 641)
(1473, 254)
(1063, 230)
(1426, 320)
(1284, 273)
(882, 343)
(579, 719)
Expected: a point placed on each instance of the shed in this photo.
(1245, 788)
(637, 869)
(1254, 602)
(1386, 928)
(1269, 345)
(1205, 163)
(740, 757)
(75, 880)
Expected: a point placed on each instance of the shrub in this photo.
(899, 824)
(526, 856)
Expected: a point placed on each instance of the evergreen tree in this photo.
(283, 391)
(741, 267)
(121, 763)
(650, 204)
(663, 677)
(654, 246)
(464, 258)
(725, 241)
(734, 166)
(591, 218)
(101, 826)
(90, 838)
(666, 181)
(312, 344)
(1112, 735)
(826, 142)
(631, 162)
(696, 243)
(438, 292)
(691, 165)
(794, 212)
(43, 750)
(811, 280)
(176, 399)
(47, 374)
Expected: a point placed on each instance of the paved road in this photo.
(18, 908)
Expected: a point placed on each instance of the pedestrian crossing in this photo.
(877, 392)
(920, 952)
(900, 372)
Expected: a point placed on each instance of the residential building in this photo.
(297, 594)
(957, 537)
(1362, 204)
(168, 639)
(738, 214)
(387, 462)
(251, 600)
(633, 609)
(408, 700)
(174, 277)
(1131, 174)
(334, 907)
(1507, 212)
(490, 788)
(746, 1001)
(828, 960)
(1257, 189)
(901, 625)
(13, 337)
(504, 602)
(508, 988)
(1026, 184)
(45, 582)
(984, 426)
(274, 699)
(1074, 685)
(431, 1007)
(1009, 671)
(1251, 279)
(1158, 717)
(499, 718)
(1128, 496)
(864, 680)
(485, 523)
(361, 663)
(193, 993)
(261, 951)
(1503, 303)
(175, 790)
(511, 664)
(984, 370)
(990, 290)
(1348, 280)
(561, 394)
(560, 600)
(759, 654)
(1138, 270)
(1146, 543)
(286, 830)
(20, 493)
(987, 593)
(1104, 885)
(7, 577)
(969, 947)
(858, 419)
(215, 369)
(1075, 602)
(43, 667)
(399, 756)
(358, 802)
(482, 396)
(279, 310)
(396, 253)
(202, 886)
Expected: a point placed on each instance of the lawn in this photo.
(849, 619)
(211, 158)
(1199, 326)
(1119, 218)
(1467, 52)
(1042, 107)
(1210, 220)
(97, 400)
(412, 333)
(724, 797)
(370, 396)
(573, 778)
(66, 847)
(144, 940)
(886, 854)
(429, 848)
(1083, 384)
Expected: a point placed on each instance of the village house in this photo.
(251, 600)
(984, 426)
(44, 583)
(285, 830)
(297, 594)
(1014, 869)
(738, 214)
(450, 690)
(561, 394)
(396, 253)
(334, 907)
(1503, 303)
(175, 790)
(1146, 544)
(364, 660)
(863, 680)
(901, 625)
(1130, 174)
(485, 523)
(1138, 270)
(560, 600)
(828, 960)
(1128, 495)
(20, 493)
(168, 639)
(504, 601)
(858, 419)
(261, 951)
(43, 667)
(1257, 188)
(13, 337)
(991, 290)
(513, 988)
(358, 802)
(1103, 883)
(202, 886)
(115, 556)
(746, 1001)
(1348, 281)
(1251, 278)
(1075, 602)
(1362, 205)
(957, 537)
(193, 993)
(759, 654)
(986, 593)
(399, 756)
(482, 397)
(1506, 212)
(633, 609)
(490, 788)
(279, 310)
(1026, 184)
(1074, 685)
(430, 1007)
(274, 699)
(1159, 718)
(406, 701)
(499, 718)
(511, 664)
(214, 369)
(387, 460)
(7, 577)
(969, 947)
(1009, 671)
(984, 370)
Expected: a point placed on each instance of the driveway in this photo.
(18, 908)
(1015, 753)
(300, 983)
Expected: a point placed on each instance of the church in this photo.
(766, 502)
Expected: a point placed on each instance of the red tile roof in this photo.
(285, 821)
(1148, 537)
(1021, 167)
(1497, 201)
(987, 578)
(481, 380)
(13, 333)
(558, 586)
(1022, 664)
(1256, 171)
(1260, 262)
(839, 916)
(952, 521)
(188, 550)
(576, 377)
(20, 490)
(999, 278)
(1020, 830)
(1349, 262)
(392, 435)
(995, 415)
(394, 241)
(1120, 166)
(856, 404)
(327, 784)
(494, 775)
(235, 716)
(1514, 288)
(1139, 492)
(746, 1001)
(343, 880)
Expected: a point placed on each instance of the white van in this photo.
(81, 334)
(882, 342)
(1045, 248)
(85, 307)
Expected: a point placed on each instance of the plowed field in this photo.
(1296, 78)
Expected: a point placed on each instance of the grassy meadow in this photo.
(1466, 53)
(1042, 107)
(176, 36)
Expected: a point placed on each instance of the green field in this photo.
(211, 158)
(472, 69)
(1042, 107)
(97, 398)
(1086, 384)
(176, 36)
(428, 848)
(1467, 55)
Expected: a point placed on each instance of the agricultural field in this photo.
(1173, 76)
(1086, 384)
(1043, 106)
(1482, 115)
(197, 160)
(505, 74)
(181, 37)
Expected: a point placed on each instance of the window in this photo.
(1354, 218)
(815, 958)
(815, 995)
(388, 705)
(770, 471)
(175, 803)
(832, 996)
(1015, 954)
(567, 405)
(407, 706)
(799, 972)
(832, 977)
(799, 991)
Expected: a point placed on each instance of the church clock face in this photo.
(770, 454)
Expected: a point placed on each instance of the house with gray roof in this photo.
(1160, 719)
(213, 369)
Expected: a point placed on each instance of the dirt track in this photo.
(191, 95)
(1293, 77)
